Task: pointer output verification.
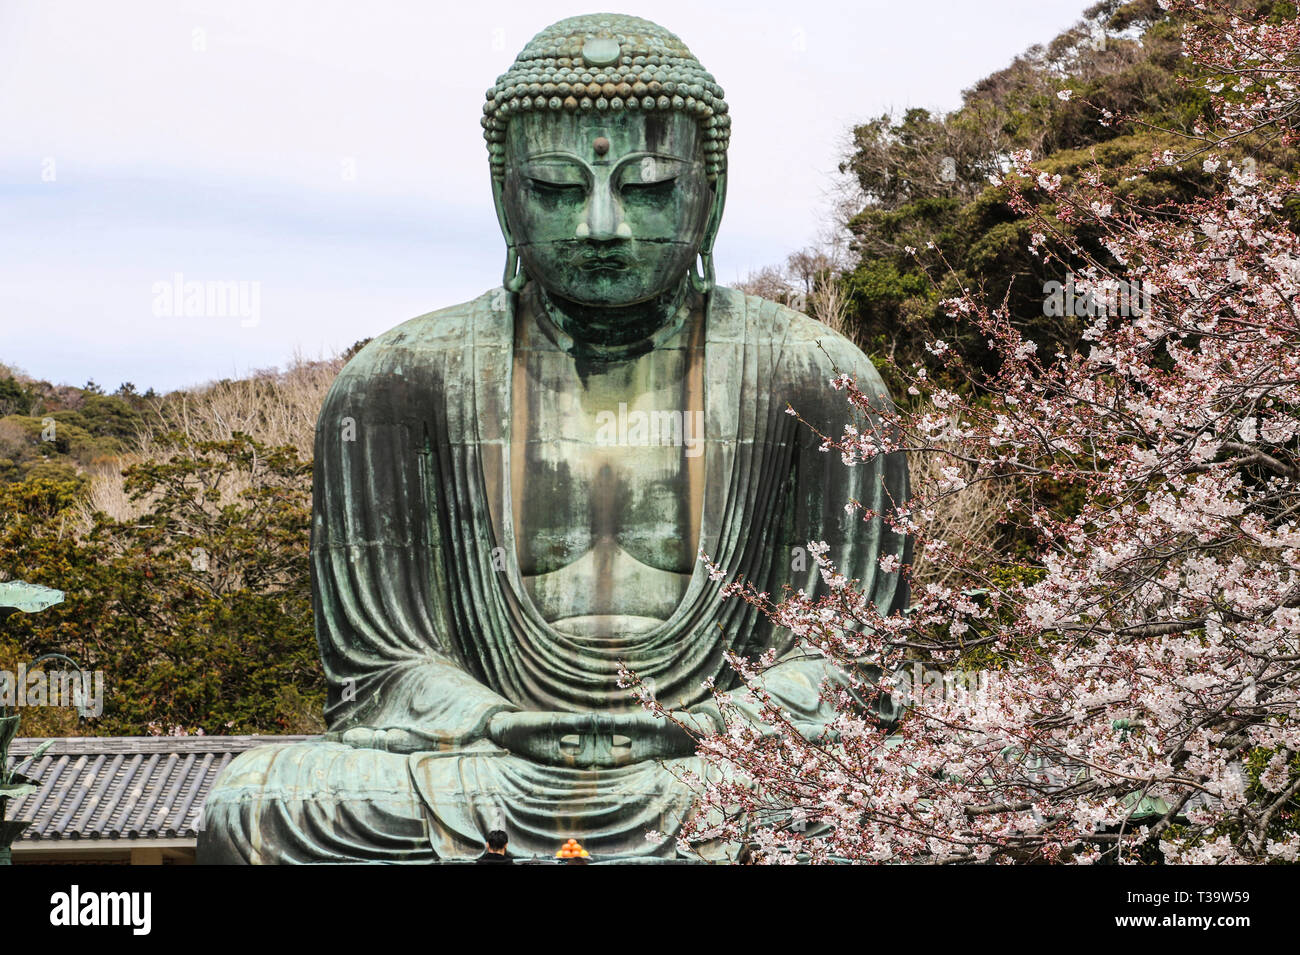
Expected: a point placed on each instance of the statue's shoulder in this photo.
(416, 351)
(803, 341)
(480, 319)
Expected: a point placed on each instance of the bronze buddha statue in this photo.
(511, 496)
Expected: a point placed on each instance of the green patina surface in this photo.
(18, 596)
(510, 496)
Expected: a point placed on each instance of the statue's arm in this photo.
(413, 707)
(379, 572)
(804, 684)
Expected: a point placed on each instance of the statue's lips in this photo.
(596, 258)
(604, 263)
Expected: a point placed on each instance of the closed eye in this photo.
(662, 187)
(556, 189)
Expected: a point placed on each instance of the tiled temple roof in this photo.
(123, 787)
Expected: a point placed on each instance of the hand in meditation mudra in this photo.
(511, 495)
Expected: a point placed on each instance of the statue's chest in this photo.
(607, 462)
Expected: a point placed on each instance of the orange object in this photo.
(572, 849)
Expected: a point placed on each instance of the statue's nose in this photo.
(603, 221)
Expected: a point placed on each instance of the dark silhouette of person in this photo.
(497, 840)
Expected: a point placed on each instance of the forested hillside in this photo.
(922, 219)
(177, 525)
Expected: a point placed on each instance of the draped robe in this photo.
(424, 623)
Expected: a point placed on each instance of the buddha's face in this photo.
(606, 209)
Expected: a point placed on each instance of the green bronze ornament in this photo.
(17, 596)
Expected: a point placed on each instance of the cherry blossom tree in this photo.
(1130, 693)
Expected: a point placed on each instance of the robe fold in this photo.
(425, 625)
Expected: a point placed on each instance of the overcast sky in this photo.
(328, 156)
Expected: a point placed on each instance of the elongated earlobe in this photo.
(702, 277)
(515, 278)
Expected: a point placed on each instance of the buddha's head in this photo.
(608, 150)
